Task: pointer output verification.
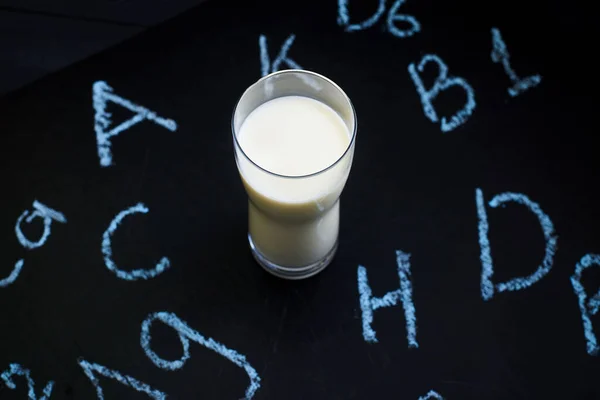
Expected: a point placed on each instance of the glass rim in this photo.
(299, 71)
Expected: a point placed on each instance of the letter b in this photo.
(442, 82)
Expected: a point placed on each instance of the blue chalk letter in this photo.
(265, 63)
(587, 308)
(89, 369)
(431, 395)
(41, 211)
(162, 265)
(17, 370)
(368, 303)
(14, 274)
(442, 82)
(344, 17)
(392, 17)
(500, 55)
(102, 93)
(487, 267)
(185, 335)
(48, 215)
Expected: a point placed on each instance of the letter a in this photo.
(102, 93)
(368, 303)
(431, 395)
(442, 82)
(487, 266)
(587, 308)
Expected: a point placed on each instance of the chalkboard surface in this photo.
(468, 258)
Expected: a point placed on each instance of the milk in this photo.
(294, 217)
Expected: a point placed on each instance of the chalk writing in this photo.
(442, 82)
(344, 16)
(500, 55)
(431, 395)
(392, 17)
(18, 370)
(48, 216)
(102, 93)
(344, 19)
(282, 57)
(487, 267)
(185, 335)
(135, 274)
(591, 307)
(41, 211)
(14, 274)
(89, 369)
(368, 303)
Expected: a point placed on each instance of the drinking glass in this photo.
(294, 238)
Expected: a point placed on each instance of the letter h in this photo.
(368, 303)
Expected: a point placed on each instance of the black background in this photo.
(38, 36)
(412, 188)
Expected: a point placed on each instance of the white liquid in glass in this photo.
(294, 219)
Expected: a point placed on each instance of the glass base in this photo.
(292, 273)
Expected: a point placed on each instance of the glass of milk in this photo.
(294, 133)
